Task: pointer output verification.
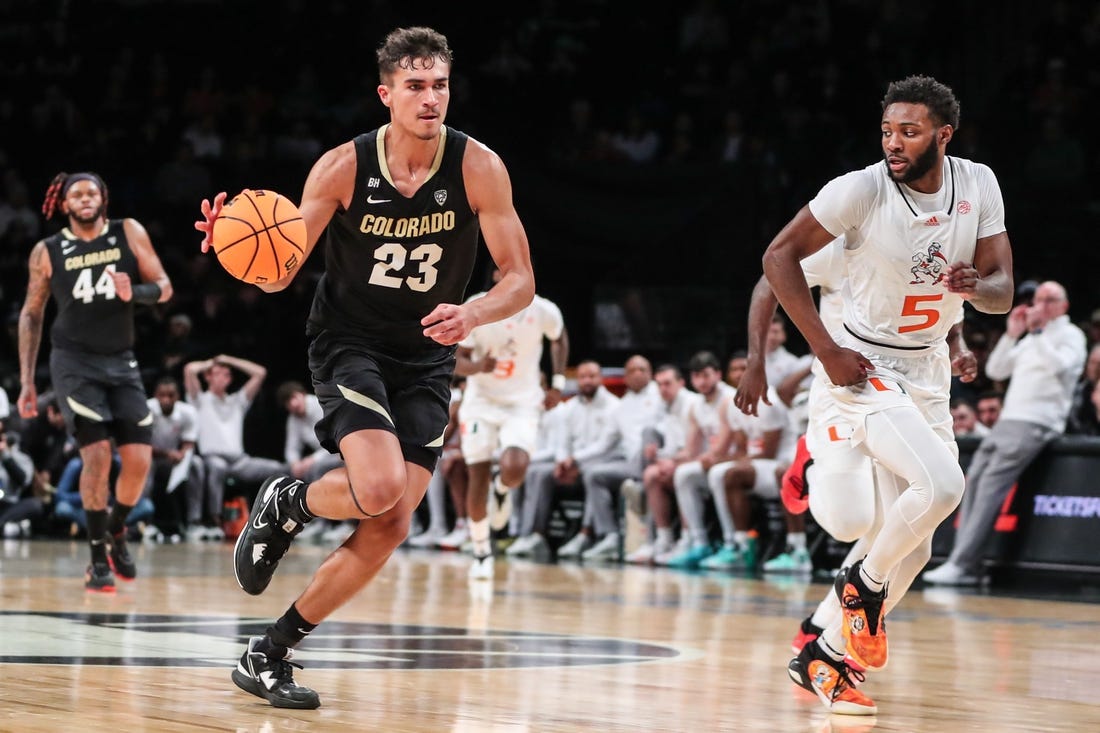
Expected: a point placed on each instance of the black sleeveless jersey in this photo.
(389, 260)
(90, 317)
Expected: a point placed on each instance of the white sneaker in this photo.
(682, 545)
(150, 535)
(195, 533)
(950, 574)
(427, 539)
(643, 555)
(11, 530)
(500, 508)
(214, 534)
(606, 549)
(482, 568)
(572, 549)
(454, 539)
(522, 546)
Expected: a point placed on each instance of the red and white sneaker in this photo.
(795, 491)
(808, 631)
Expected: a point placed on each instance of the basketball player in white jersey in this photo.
(850, 491)
(500, 410)
(923, 233)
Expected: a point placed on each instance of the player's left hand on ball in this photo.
(210, 214)
(965, 366)
(447, 324)
(962, 278)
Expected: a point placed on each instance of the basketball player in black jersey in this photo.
(96, 269)
(400, 209)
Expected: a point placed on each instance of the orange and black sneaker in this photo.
(864, 626)
(795, 490)
(808, 631)
(834, 682)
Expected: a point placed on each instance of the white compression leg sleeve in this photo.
(903, 442)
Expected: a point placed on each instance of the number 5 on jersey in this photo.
(912, 308)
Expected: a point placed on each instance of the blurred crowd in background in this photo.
(653, 153)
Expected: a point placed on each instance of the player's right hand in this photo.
(752, 388)
(28, 402)
(845, 367)
(210, 214)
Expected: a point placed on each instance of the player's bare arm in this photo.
(489, 191)
(466, 365)
(964, 364)
(149, 265)
(988, 282)
(329, 186)
(559, 355)
(30, 326)
(754, 382)
(800, 238)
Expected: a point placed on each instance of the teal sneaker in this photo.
(691, 557)
(791, 562)
(725, 559)
(732, 557)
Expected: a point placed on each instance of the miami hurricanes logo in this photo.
(930, 265)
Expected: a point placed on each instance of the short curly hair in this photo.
(938, 98)
(405, 45)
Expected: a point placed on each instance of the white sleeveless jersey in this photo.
(899, 242)
(826, 269)
(516, 344)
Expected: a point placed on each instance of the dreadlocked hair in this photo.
(53, 195)
(59, 186)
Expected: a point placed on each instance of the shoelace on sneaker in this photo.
(847, 675)
(872, 607)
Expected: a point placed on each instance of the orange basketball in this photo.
(259, 236)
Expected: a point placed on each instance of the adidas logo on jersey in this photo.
(933, 222)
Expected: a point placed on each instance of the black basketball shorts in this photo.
(362, 387)
(101, 395)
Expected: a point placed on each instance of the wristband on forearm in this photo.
(558, 382)
(145, 293)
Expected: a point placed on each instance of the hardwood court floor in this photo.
(544, 648)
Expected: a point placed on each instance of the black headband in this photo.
(76, 177)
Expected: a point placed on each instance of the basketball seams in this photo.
(259, 219)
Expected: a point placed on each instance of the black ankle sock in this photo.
(290, 629)
(97, 532)
(116, 523)
(293, 498)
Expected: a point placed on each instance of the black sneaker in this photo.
(864, 625)
(98, 578)
(272, 679)
(119, 557)
(833, 682)
(274, 522)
